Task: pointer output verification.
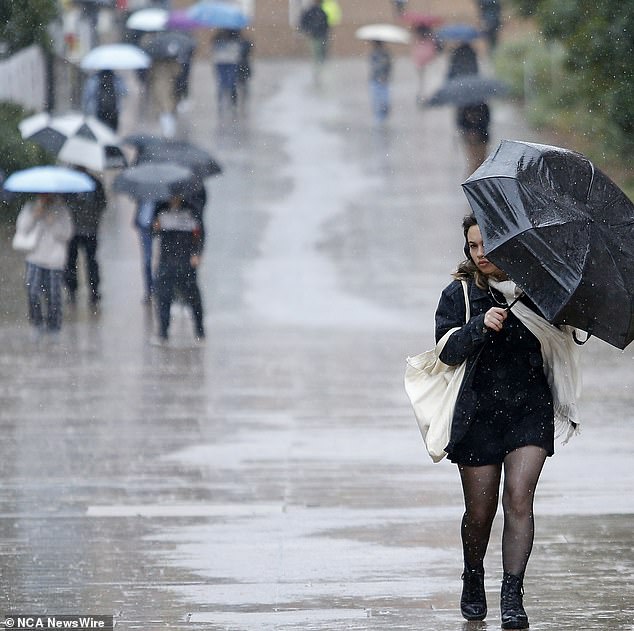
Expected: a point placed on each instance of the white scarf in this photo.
(560, 354)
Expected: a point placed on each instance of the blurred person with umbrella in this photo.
(472, 118)
(469, 94)
(426, 46)
(380, 75)
(198, 160)
(380, 62)
(226, 50)
(521, 385)
(86, 211)
(171, 46)
(313, 22)
(102, 95)
(181, 242)
(169, 51)
(43, 229)
(75, 138)
(148, 184)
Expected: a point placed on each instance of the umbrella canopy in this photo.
(195, 158)
(49, 179)
(470, 89)
(383, 33)
(152, 19)
(155, 181)
(76, 139)
(563, 231)
(458, 33)
(179, 20)
(218, 15)
(418, 19)
(116, 57)
(168, 45)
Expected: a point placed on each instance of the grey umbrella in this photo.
(168, 45)
(470, 89)
(155, 181)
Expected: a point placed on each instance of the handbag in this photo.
(26, 241)
(432, 387)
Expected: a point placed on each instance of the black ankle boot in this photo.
(473, 602)
(513, 614)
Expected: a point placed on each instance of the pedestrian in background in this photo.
(313, 22)
(86, 211)
(521, 379)
(473, 122)
(181, 245)
(424, 50)
(162, 79)
(463, 60)
(102, 95)
(244, 72)
(143, 222)
(380, 75)
(491, 20)
(46, 224)
(226, 48)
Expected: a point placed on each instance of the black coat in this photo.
(506, 367)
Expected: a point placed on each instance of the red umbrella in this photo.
(416, 18)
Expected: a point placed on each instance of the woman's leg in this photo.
(480, 486)
(522, 468)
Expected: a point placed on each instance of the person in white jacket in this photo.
(48, 222)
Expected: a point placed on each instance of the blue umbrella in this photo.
(458, 32)
(49, 179)
(218, 15)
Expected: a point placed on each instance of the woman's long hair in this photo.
(467, 269)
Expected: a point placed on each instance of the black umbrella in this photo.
(156, 181)
(159, 149)
(469, 89)
(561, 230)
(168, 45)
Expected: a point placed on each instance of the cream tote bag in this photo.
(432, 387)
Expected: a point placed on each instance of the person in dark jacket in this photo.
(473, 122)
(181, 245)
(86, 211)
(314, 23)
(491, 20)
(504, 421)
(462, 60)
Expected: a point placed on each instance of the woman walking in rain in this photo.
(47, 225)
(521, 381)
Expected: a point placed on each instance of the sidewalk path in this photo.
(275, 478)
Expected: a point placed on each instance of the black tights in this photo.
(480, 486)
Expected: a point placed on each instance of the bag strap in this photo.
(467, 307)
(443, 340)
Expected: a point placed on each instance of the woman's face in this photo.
(476, 250)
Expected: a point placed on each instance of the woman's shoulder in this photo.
(453, 288)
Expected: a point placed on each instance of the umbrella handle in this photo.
(513, 303)
(577, 340)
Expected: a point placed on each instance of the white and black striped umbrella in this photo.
(75, 139)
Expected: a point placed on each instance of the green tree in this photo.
(599, 41)
(25, 22)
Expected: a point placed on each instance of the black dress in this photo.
(512, 401)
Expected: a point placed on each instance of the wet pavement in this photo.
(274, 478)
